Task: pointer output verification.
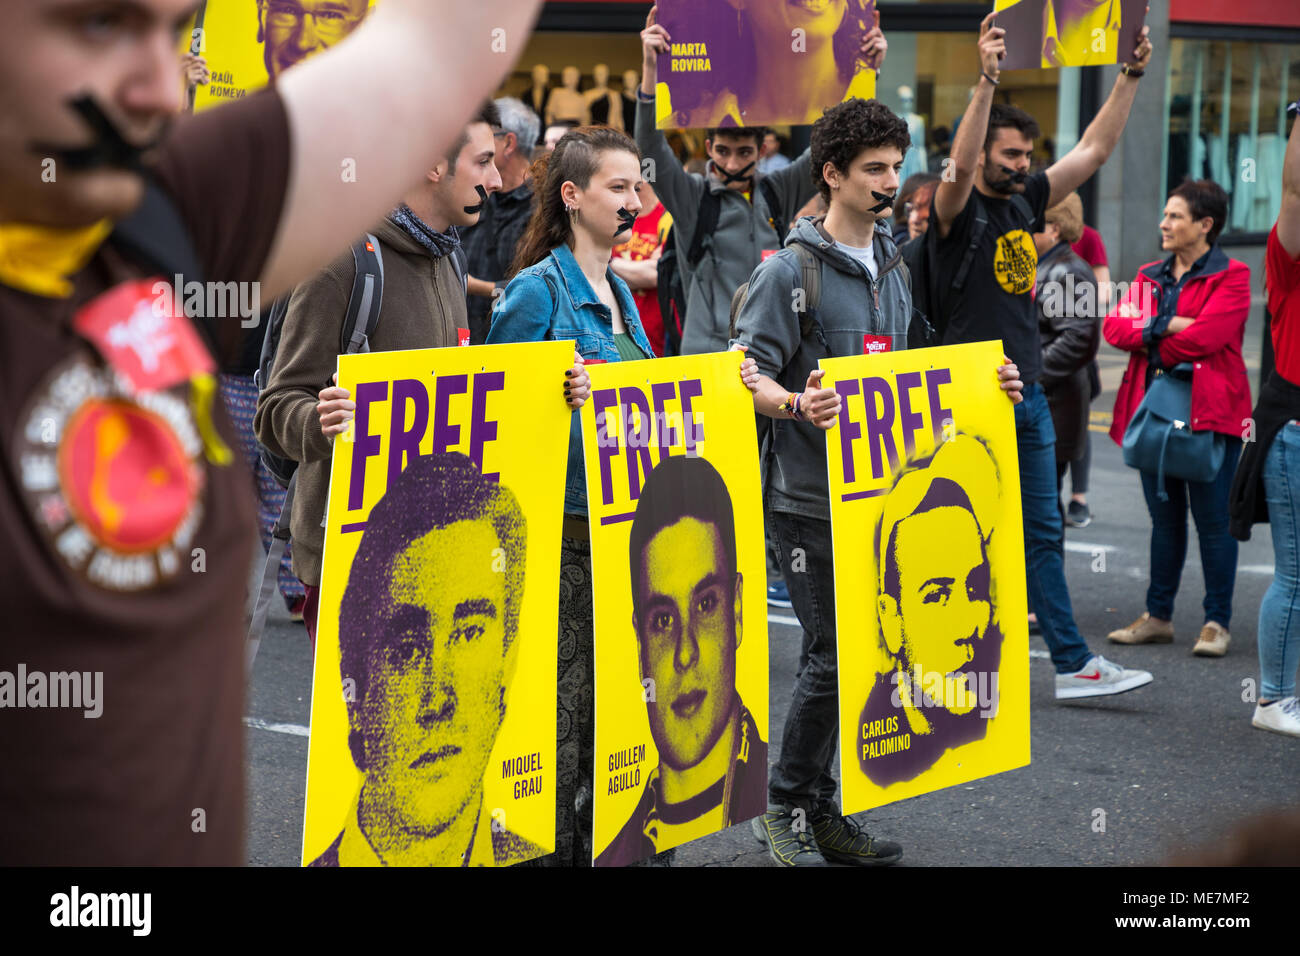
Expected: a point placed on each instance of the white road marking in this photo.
(782, 619)
(296, 730)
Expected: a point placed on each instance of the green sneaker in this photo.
(785, 833)
(841, 840)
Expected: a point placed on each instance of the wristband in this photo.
(641, 95)
(989, 78)
(798, 415)
(1132, 71)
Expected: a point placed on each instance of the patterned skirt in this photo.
(240, 396)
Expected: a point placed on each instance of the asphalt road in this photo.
(1173, 765)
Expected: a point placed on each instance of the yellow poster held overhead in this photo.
(929, 572)
(433, 705)
(1043, 34)
(247, 43)
(678, 570)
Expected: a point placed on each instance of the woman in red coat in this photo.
(1189, 308)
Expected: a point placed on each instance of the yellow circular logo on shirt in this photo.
(1015, 262)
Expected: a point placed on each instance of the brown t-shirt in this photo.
(126, 551)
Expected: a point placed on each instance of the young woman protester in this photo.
(564, 288)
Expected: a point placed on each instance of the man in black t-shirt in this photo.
(991, 205)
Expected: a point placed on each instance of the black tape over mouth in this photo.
(628, 219)
(1011, 177)
(744, 176)
(482, 196)
(884, 201)
(109, 147)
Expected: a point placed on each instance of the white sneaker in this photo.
(1098, 678)
(1281, 716)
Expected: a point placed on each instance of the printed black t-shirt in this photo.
(127, 549)
(996, 301)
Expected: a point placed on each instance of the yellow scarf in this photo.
(41, 259)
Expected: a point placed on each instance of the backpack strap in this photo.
(1026, 212)
(977, 230)
(366, 299)
(810, 280)
(359, 325)
(768, 192)
(460, 262)
(710, 212)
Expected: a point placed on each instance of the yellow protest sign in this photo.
(678, 571)
(1042, 34)
(433, 704)
(250, 42)
(929, 572)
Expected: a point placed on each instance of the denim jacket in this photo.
(553, 300)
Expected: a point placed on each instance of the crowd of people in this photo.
(505, 240)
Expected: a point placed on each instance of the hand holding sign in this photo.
(1141, 55)
(874, 44)
(1009, 381)
(577, 386)
(817, 405)
(335, 409)
(992, 46)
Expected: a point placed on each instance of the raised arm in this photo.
(954, 189)
(1288, 220)
(1099, 139)
(678, 190)
(369, 116)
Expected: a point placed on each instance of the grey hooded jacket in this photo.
(745, 230)
(852, 305)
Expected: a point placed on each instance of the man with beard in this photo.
(935, 605)
(981, 235)
(686, 611)
(292, 30)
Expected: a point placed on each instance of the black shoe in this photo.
(1077, 514)
(786, 833)
(841, 840)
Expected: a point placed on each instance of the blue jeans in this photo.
(1279, 622)
(1049, 597)
(1209, 504)
(802, 775)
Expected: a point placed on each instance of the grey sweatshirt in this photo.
(852, 305)
(744, 230)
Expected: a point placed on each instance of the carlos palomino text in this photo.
(81, 690)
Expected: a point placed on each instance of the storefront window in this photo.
(1226, 114)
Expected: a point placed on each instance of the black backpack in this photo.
(359, 325)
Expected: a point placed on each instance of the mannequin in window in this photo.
(631, 80)
(566, 103)
(914, 161)
(539, 91)
(604, 105)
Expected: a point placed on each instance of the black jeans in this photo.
(802, 775)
